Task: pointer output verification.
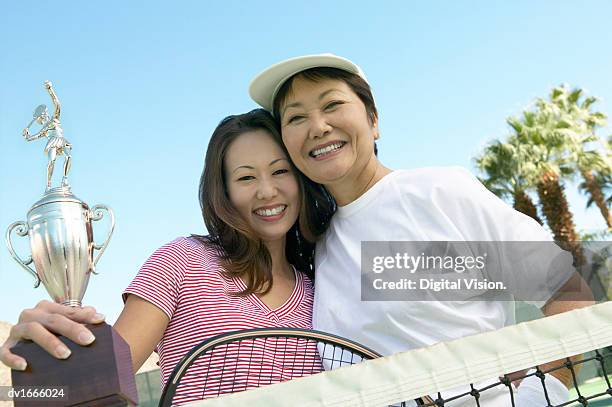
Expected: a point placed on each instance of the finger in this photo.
(10, 359)
(87, 314)
(37, 333)
(56, 323)
(72, 330)
(78, 314)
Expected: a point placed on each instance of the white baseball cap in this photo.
(264, 87)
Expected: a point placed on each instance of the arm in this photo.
(40, 134)
(141, 324)
(491, 215)
(56, 103)
(575, 293)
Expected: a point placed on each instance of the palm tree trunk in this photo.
(524, 204)
(558, 215)
(597, 196)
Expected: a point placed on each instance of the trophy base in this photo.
(96, 375)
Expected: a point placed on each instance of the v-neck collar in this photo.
(288, 306)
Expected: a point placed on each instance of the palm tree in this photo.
(505, 171)
(596, 177)
(594, 167)
(603, 183)
(542, 130)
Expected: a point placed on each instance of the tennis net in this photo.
(470, 371)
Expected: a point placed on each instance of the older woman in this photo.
(329, 124)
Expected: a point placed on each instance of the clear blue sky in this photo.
(143, 84)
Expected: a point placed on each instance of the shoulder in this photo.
(452, 188)
(453, 192)
(430, 176)
(438, 182)
(177, 249)
(184, 260)
(185, 251)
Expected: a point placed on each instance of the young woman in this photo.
(329, 125)
(253, 270)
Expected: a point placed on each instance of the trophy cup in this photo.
(59, 227)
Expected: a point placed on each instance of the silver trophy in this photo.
(59, 225)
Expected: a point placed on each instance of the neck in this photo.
(348, 190)
(280, 265)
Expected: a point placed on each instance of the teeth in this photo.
(326, 150)
(271, 212)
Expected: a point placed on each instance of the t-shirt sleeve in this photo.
(486, 217)
(530, 259)
(159, 279)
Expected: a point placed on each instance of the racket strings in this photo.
(250, 363)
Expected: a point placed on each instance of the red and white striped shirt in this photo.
(183, 279)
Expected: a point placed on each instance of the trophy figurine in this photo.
(59, 228)
(51, 128)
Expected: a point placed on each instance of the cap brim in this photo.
(264, 87)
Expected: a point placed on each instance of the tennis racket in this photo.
(243, 360)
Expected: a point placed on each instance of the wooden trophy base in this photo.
(96, 375)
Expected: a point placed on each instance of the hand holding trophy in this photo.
(59, 227)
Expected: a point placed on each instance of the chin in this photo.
(332, 170)
(330, 176)
(273, 235)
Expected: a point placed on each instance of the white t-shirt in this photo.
(427, 204)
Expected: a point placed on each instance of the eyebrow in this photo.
(252, 168)
(321, 96)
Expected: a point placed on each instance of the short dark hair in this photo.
(241, 250)
(355, 82)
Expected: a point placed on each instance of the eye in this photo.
(246, 178)
(295, 119)
(332, 105)
(281, 171)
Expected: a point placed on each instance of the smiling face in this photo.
(327, 132)
(261, 184)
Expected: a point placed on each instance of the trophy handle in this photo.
(97, 213)
(21, 228)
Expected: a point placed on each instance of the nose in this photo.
(266, 189)
(319, 126)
